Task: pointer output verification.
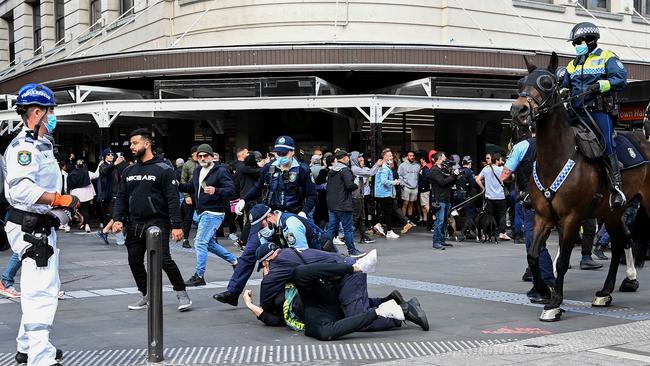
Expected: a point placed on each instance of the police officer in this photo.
(32, 186)
(148, 196)
(290, 229)
(520, 161)
(592, 77)
(285, 184)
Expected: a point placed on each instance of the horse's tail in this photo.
(640, 236)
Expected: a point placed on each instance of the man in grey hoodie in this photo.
(361, 178)
(409, 172)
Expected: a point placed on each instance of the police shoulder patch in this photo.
(24, 157)
(291, 239)
(619, 64)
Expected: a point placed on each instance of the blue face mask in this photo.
(582, 49)
(50, 125)
(283, 160)
(266, 232)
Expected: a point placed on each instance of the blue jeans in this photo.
(13, 265)
(342, 218)
(205, 241)
(518, 222)
(604, 122)
(245, 263)
(545, 262)
(440, 225)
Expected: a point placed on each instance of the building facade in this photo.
(460, 48)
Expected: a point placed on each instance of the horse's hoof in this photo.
(551, 315)
(601, 301)
(629, 285)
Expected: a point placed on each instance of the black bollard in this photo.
(154, 286)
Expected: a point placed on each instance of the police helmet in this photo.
(35, 94)
(584, 29)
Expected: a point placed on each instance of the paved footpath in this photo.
(472, 293)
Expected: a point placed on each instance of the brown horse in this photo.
(583, 194)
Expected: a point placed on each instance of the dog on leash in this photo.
(487, 228)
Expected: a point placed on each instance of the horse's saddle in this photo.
(589, 142)
(628, 151)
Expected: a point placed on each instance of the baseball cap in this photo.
(284, 144)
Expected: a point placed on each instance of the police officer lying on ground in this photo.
(332, 294)
(286, 229)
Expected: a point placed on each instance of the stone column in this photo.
(110, 10)
(23, 32)
(47, 25)
(4, 44)
(76, 17)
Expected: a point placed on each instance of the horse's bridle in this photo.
(540, 107)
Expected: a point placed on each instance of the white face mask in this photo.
(266, 232)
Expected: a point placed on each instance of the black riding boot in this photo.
(617, 198)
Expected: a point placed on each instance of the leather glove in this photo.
(239, 207)
(65, 201)
(594, 88)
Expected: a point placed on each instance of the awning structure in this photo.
(374, 107)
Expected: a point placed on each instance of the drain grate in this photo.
(269, 354)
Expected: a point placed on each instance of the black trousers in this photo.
(386, 205)
(84, 210)
(359, 216)
(588, 236)
(188, 214)
(322, 314)
(497, 208)
(136, 246)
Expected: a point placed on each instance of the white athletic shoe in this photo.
(233, 236)
(390, 309)
(368, 263)
(391, 235)
(140, 304)
(338, 241)
(379, 229)
(184, 302)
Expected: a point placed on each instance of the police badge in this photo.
(293, 176)
(291, 239)
(631, 152)
(24, 157)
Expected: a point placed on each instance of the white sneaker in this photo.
(60, 295)
(368, 263)
(392, 235)
(379, 229)
(140, 304)
(338, 241)
(233, 236)
(391, 310)
(87, 228)
(66, 228)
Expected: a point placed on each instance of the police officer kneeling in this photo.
(148, 196)
(32, 186)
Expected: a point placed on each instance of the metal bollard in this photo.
(154, 290)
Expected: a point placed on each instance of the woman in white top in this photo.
(488, 179)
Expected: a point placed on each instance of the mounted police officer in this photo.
(285, 185)
(520, 161)
(32, 186)
(594, 77)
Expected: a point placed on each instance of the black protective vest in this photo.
(525, 170)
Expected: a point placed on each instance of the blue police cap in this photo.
(258, 213)
(284, 144)
(264, 251)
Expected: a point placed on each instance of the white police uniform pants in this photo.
(39, 290)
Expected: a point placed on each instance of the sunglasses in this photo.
(282, 153)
